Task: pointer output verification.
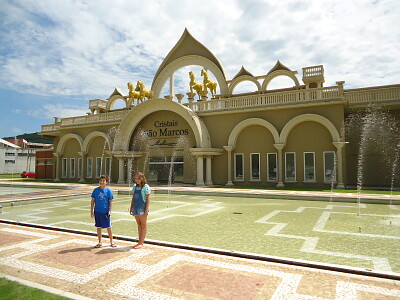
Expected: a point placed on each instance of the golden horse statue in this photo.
(208, 83)
(144, 93)
(194, 85)
(133, 95)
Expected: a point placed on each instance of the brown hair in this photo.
(104, 177)
(143, 179)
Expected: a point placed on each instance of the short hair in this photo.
(104, 177)
(142, 178)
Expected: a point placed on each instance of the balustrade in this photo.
(373, 95)
(277, 98)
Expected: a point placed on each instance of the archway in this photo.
(277, 73)
(65, 138)
(133, 118)
(241, 79)
(185, 61)
(309, 117)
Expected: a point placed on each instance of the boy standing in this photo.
(100, 209)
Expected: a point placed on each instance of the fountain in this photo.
(379, 137)
(111, 134)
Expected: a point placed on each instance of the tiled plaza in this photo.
(68, 263)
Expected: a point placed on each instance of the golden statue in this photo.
(194, 85)
(132, 95)
(208, 83)
(143, 92)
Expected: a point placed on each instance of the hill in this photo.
(33, 138)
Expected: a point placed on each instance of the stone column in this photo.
(200, 170)
(208, 170)
(190, 97)
(121, 170)
(229, 149)
(82, 154)
(57, 166)
(280, 147)
(171, 86)
(339, 159)
(179, 97)
(129, 172)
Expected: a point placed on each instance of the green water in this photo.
(18, 190)
(309, 230)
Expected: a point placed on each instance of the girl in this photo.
(140, 206)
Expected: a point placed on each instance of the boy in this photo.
(100, 209)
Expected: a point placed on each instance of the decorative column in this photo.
(339, 158)
(129, 172)
(200, 171)
(82, 154)
(171, 86)
(57, 155)
(280, 147)
(208, 170)
(179, 97)
(191, 97)
(229, 149)
(121, 170)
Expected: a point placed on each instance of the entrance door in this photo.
(165, 169)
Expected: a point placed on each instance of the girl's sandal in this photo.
(113, 245)
(98, 245)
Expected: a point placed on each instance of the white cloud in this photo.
(89, 47)
(15, 131)
(57, 110)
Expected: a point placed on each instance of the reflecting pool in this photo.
(328, 232)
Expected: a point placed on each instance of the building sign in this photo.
(165, 134)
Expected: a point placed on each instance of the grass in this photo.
(12, 290)
(10, 175)
(384, 192)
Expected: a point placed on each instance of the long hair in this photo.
(143, 179)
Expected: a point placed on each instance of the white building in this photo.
(16, 159)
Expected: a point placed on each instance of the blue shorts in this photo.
(102, 220)
(139, 208)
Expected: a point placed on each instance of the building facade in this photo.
(18, 155)
(286, 137)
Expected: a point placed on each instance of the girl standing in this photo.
(140, 206)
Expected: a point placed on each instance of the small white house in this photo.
(16, 159)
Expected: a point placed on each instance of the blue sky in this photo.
(57, 55)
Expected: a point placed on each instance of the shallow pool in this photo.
(328, 232)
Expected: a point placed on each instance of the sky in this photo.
(56, 55)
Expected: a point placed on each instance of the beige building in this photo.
(286, 137)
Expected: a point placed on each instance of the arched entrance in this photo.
(165, 139)
(130, 154)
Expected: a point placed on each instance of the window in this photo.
(80, 167)
(9, 161)
(11, 153)
(98, 167)
(239, 167)
(64, 167)
(72, 168)
(254, 166)
(89, 167)
(309, 166)
(272, 166)
(329, 166)
(21, 154)
(290, 166)
(108, 166)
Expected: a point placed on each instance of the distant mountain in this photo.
(33, 138)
